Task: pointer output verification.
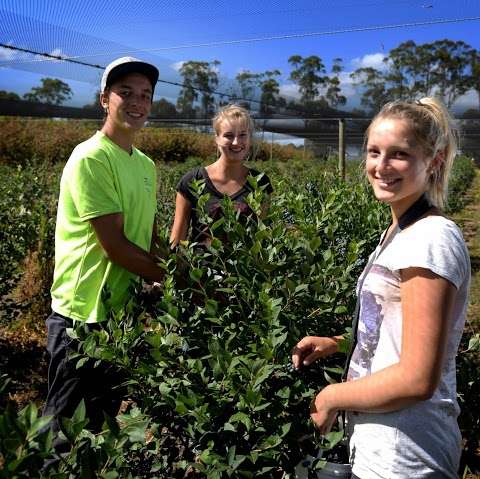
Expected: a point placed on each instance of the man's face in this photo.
(128, 101)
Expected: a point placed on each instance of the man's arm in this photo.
(154, 244)
(121, 251)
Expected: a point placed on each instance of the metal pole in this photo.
(341, 148)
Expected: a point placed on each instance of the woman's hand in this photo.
(321, 412)
(311, 348)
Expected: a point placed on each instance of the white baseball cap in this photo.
(125, 65)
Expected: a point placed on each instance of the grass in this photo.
(469, 220)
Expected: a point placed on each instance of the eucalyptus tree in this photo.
(270, 89)
(450, 72)
(443, 68)
(248, 83)
(419, 61)
(188, 94)
(310, 75)
(333, 94)
(163, 109)
(401, 63)
(474, 82)
(372, 82)
(198, 76)
(53, 91)
(8, 95)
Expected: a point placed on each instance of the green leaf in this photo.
(80, 412)
(474, 343)
(327, 255)
(155, 339)
(217, 224)
(81, 362)
(110, 475)
(255, 249)
(283, 393)
(38, 425)
(242, 418)
(196, 274)
(229, 427)
(301, 287)
(315, 243)
(332, 438)
(180, 407)
(136, 430)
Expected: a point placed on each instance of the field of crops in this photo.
(211, 392)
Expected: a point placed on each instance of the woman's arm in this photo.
(183, 211)
(427, 302)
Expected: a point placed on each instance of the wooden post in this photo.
(271, 148)
(341, 148)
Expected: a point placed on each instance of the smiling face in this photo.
(233, 140)
(128, 101)
(396, 166)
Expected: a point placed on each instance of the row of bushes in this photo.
(211, 392)
(210, 387)
(53, 141)
(28, 196)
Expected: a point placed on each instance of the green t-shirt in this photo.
(100, 178)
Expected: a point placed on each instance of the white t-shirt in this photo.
(423, 440)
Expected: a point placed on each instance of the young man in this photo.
(104, 236)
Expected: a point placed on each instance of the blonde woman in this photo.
(227, 176)
(400, 392)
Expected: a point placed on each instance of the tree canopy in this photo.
(9, 95)
(53, 91)
(444, 68)
(198, 76)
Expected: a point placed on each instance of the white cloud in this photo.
(57, 52)
(289, 90)
(243, 70)
(469, 100)
(346, 84)
(176, 66)
(6, 54)
(374, 60)
(9, 55)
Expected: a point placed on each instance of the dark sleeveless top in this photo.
(213, 206)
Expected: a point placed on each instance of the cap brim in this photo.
(123, 69)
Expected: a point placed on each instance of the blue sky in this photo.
(237, 33)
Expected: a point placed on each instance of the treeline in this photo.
(444, 68)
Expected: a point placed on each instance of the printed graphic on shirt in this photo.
(373, 307)
(148, 184)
